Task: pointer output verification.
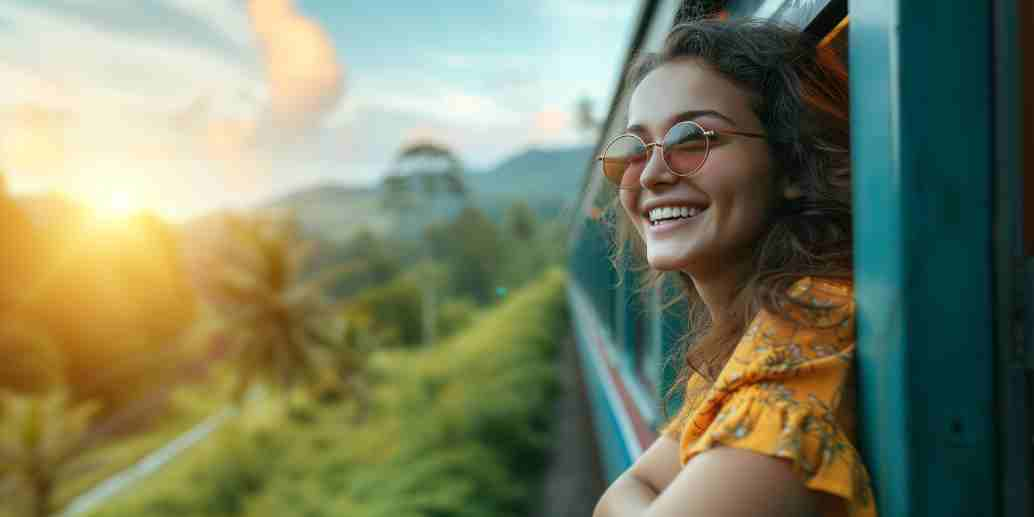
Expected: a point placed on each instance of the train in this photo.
(942, 145)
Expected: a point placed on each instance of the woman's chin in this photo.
(667, 263)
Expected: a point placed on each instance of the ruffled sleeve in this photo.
(674, 426)
(782, 393)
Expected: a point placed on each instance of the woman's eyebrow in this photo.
(694, 114)
(682, 117)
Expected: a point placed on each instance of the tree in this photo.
(424, 174)
(22, 248)
(115, 300)
(471, 246)
(277, 318)
(349, 367)
(33, 362)
(42, 437)
(377, 260)
(520, 221)
(523, 242)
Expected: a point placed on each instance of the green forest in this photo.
(397, 372)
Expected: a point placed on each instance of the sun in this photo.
(114, 205)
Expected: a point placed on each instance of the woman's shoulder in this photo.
(814, 325)
(815, 302)
(786, 390)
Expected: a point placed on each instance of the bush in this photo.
(455, 315)
(393, 311)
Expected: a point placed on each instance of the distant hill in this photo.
(548, 180)
(336, 212)
(536, 173)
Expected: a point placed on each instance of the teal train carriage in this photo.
(942, 121)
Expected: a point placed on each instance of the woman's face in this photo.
(734, 190)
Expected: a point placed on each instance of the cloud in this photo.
(223, 16)
(86, 64)
(305, 78)
(170, 122)
(433, 100)
(189, 89)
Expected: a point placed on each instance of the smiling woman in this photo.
(733, 178)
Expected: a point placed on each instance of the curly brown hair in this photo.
(800, 95)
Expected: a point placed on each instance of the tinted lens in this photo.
(624, 160)
(685, 147)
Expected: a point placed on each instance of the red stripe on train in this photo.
(644, 433)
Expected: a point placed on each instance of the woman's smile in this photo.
(666, 224)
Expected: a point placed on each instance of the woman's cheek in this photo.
(629, 202)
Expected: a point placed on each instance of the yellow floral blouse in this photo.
(788, 391)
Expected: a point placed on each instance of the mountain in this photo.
(336, 212)
(548, 180)
(536, 173)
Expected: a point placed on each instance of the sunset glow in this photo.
(114, 205)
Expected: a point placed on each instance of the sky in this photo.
(184, 106)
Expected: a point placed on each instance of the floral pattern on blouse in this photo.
(788, 391)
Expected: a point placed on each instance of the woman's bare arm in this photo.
(627, 496)
(633, 492)
(723, 481)
(659, 465)
(733, 482)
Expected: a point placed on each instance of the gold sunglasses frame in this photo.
(648, 147)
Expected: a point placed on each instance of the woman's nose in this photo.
(656, 171)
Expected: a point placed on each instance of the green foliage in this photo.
(458, 429)
(392, 314)
(22, 247)
(113, 299)
(377, 261)
(470, 245)
(455, 315)
(520, 222)
(530, 245)
(41, 437)
(392, 311)
(254, 275)
(33, 361)
(553, 240)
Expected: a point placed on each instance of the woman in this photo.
(747, 206)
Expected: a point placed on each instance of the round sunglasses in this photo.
(684, 150)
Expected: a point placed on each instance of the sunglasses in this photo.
(684, 150)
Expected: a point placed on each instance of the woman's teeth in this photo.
(672, 212)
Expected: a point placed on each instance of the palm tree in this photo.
(424, 174)
(348, 376)
(276, 318)
(42, 437)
